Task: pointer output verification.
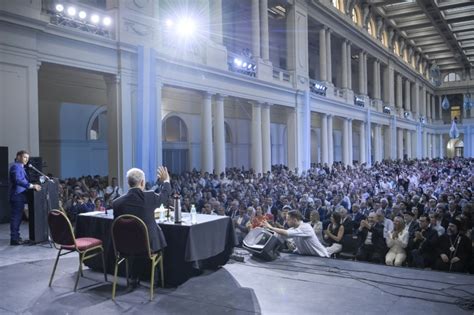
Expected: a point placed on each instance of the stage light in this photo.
(186, 27)
(406, 114)
(249, 66)
(59, 8)
(238, 62)
(82, 15)
(95, 18)
(107, 21)
(244, 65)
(71, 11)
(169, 23)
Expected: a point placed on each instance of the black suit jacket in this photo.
(143, 204)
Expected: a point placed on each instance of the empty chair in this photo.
(130, 238)
(63, 238)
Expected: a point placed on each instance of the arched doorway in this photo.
(175, 145)
(455, 148)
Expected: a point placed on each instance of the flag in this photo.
(454, 132)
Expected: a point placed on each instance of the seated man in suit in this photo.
(142, 204)
(372, 243)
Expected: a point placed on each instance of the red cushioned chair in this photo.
(130, 238)
(63, 238)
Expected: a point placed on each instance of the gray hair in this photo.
(134, 177)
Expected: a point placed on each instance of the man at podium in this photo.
(19, 184)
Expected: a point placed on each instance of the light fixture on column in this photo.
(387, 110)
(82, 15)
(71, 11)
(318, 88)
(244, 64)
(359, 100)
(59, 8)
(422, 120)
(406, 115)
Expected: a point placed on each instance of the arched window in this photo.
(396, 48)
(452, 77)
(371, 28)
(175, 130)
(338, 4)
(97, 127)
(385, 38)
(356, 16)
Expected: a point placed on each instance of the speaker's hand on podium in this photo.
(36, 187)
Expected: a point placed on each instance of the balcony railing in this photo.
(338, 92)
(282, 75)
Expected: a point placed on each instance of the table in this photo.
(191, 248)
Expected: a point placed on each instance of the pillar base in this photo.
(216, 56)
(264, 70)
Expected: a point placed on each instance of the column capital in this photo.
(221, 97)
(208, 94)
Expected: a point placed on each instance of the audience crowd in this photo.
(417, 213)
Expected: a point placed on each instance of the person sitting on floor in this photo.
(302, 233)
(397, 241)
(372, 244)
(317, 225)
(423, 244)
(333, 234)
(454, 249)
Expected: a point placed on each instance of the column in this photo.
(425, 143)
(266, 140)
(428, 107)
(400, 144)
(399, 98)
(408, 144)
(219, 135)
(429, 148)
(416, 98)
(441, 146)
(344, 64)
(113, 129)
(264, 29)
(207, 163)
(364, 63)
(324, 138)
(391, 86)
(362, 143)
(322, 55)
(216, 21)
(361, 72)
(423, 101)
(349, 65)
(376, 75)
(407, 96)
(345, 141)
(433, 108)
(256, 146)
(350, 144)
(255, 29)
(378, 143)
(328, 56)
(330, 141)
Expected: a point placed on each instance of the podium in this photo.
(39, 204)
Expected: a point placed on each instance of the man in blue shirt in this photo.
(19, 184)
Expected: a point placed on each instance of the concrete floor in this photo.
(291, 284)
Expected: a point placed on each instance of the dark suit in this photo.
(19, 184)
(423, 252)
(143, 204)
(376, 251)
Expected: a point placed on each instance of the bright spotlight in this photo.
(82, 15)
(186, 27)
(71, 11)
(59, 8)
(169, 23)
(95, 18)
(244, 64)
(238, 62)
(107, 21)
(249, 66)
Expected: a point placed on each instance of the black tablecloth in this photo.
(191, 247)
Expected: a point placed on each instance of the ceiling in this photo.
(442, 30)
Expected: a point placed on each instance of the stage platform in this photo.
(291, 284)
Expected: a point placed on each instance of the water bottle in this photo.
(162, 213)
(177, 208)
(193, 215)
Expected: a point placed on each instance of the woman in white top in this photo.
(397, 241)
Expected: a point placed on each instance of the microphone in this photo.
(39, 172)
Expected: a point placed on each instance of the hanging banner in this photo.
(445, 103)
(454, 131)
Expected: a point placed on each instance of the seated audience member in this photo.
(411, 224)
(317, 225)
(258, 219)
(387, 223)
(372, 243)
(207, 209)
(281, 221)
(423, 244)
(454, 249)
(98, 205)
(333, 234)
(302, 234)
(356, 216)
(397, 241)
(112, 192)
(435, 224)
(233, 209)
(240, 221)
(346, 221)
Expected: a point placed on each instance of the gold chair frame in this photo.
(83, 255)
(156, 258)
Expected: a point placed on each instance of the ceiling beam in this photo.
(406, 11)
(469, 45)
(442, 68)
(460, 17)
(453, 4)
(384, 2)
(465, 36)
(462, 28)
(411, 25)
(429, 41)
(422, 34)
(446, 62)
(441, 55)
(436, 49)
(430, 7)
